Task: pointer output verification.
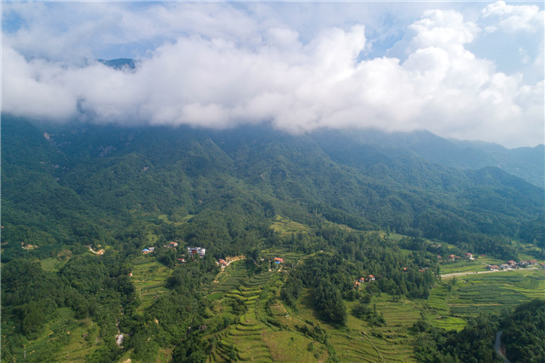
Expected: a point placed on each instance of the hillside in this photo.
(334, 212)
(80, 176)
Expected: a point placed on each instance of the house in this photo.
(524, 263)
(222, 262)
(533, 262)
(492, 267)
(504, 266)
(151, 249)
(512, 263)
(145, 251)
(469, 256)
(405, 269)
(278, 260)
(182, 260)
(361, 279)
(370, 278)
(173, 244)
(452, 257)
(357, 284)
(439, 257)
(130, 274)
(192, 251)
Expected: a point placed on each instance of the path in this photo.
(498, 346)
(481, 272)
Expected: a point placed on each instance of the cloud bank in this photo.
(225, 68)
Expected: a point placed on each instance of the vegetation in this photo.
(260, 194)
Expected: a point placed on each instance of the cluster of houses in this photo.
(468, 256)
(513, 264)
(361, 280)
(192, 251)
(147, 250)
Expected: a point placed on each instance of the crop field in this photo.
(464, 265)
(360, 342)
(231, 277)
(484, 293)
(149, 278)
(268, 330)
(63, 339)
(285, 227)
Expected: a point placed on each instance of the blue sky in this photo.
(467, 70)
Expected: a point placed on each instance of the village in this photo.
(201, 252)
(509, 265)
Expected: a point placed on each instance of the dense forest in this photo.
(74, 188)
(87, 185)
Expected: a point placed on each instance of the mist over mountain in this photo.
(272, 182)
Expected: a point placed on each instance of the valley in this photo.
(356, 254)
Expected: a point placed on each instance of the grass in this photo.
(51, 264)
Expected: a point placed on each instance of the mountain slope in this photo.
(112, 175)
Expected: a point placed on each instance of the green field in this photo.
(272, 333)
(464, 265)
(473, 294)
(263, 329)
(149, 277)
(285, 226)
(63, 339)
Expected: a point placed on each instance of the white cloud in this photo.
(225, 69)
(514, 18)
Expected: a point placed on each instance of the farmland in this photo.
(457, 299)
(149, 278)
(268, 330)
(260, 327)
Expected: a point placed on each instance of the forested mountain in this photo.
(63, 183)
(70, 190)
(526, 163)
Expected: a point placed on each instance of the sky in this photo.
(464, 70)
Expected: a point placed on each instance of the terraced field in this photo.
(149, 277)
(360, 342)
(486, 293)
(230, 278)
(63, 339)
(243, 339)
(285, 226)
(270, 331)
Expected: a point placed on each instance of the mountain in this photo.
(119, 63)
(82, 203)
(526, 163)
(71, 180)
